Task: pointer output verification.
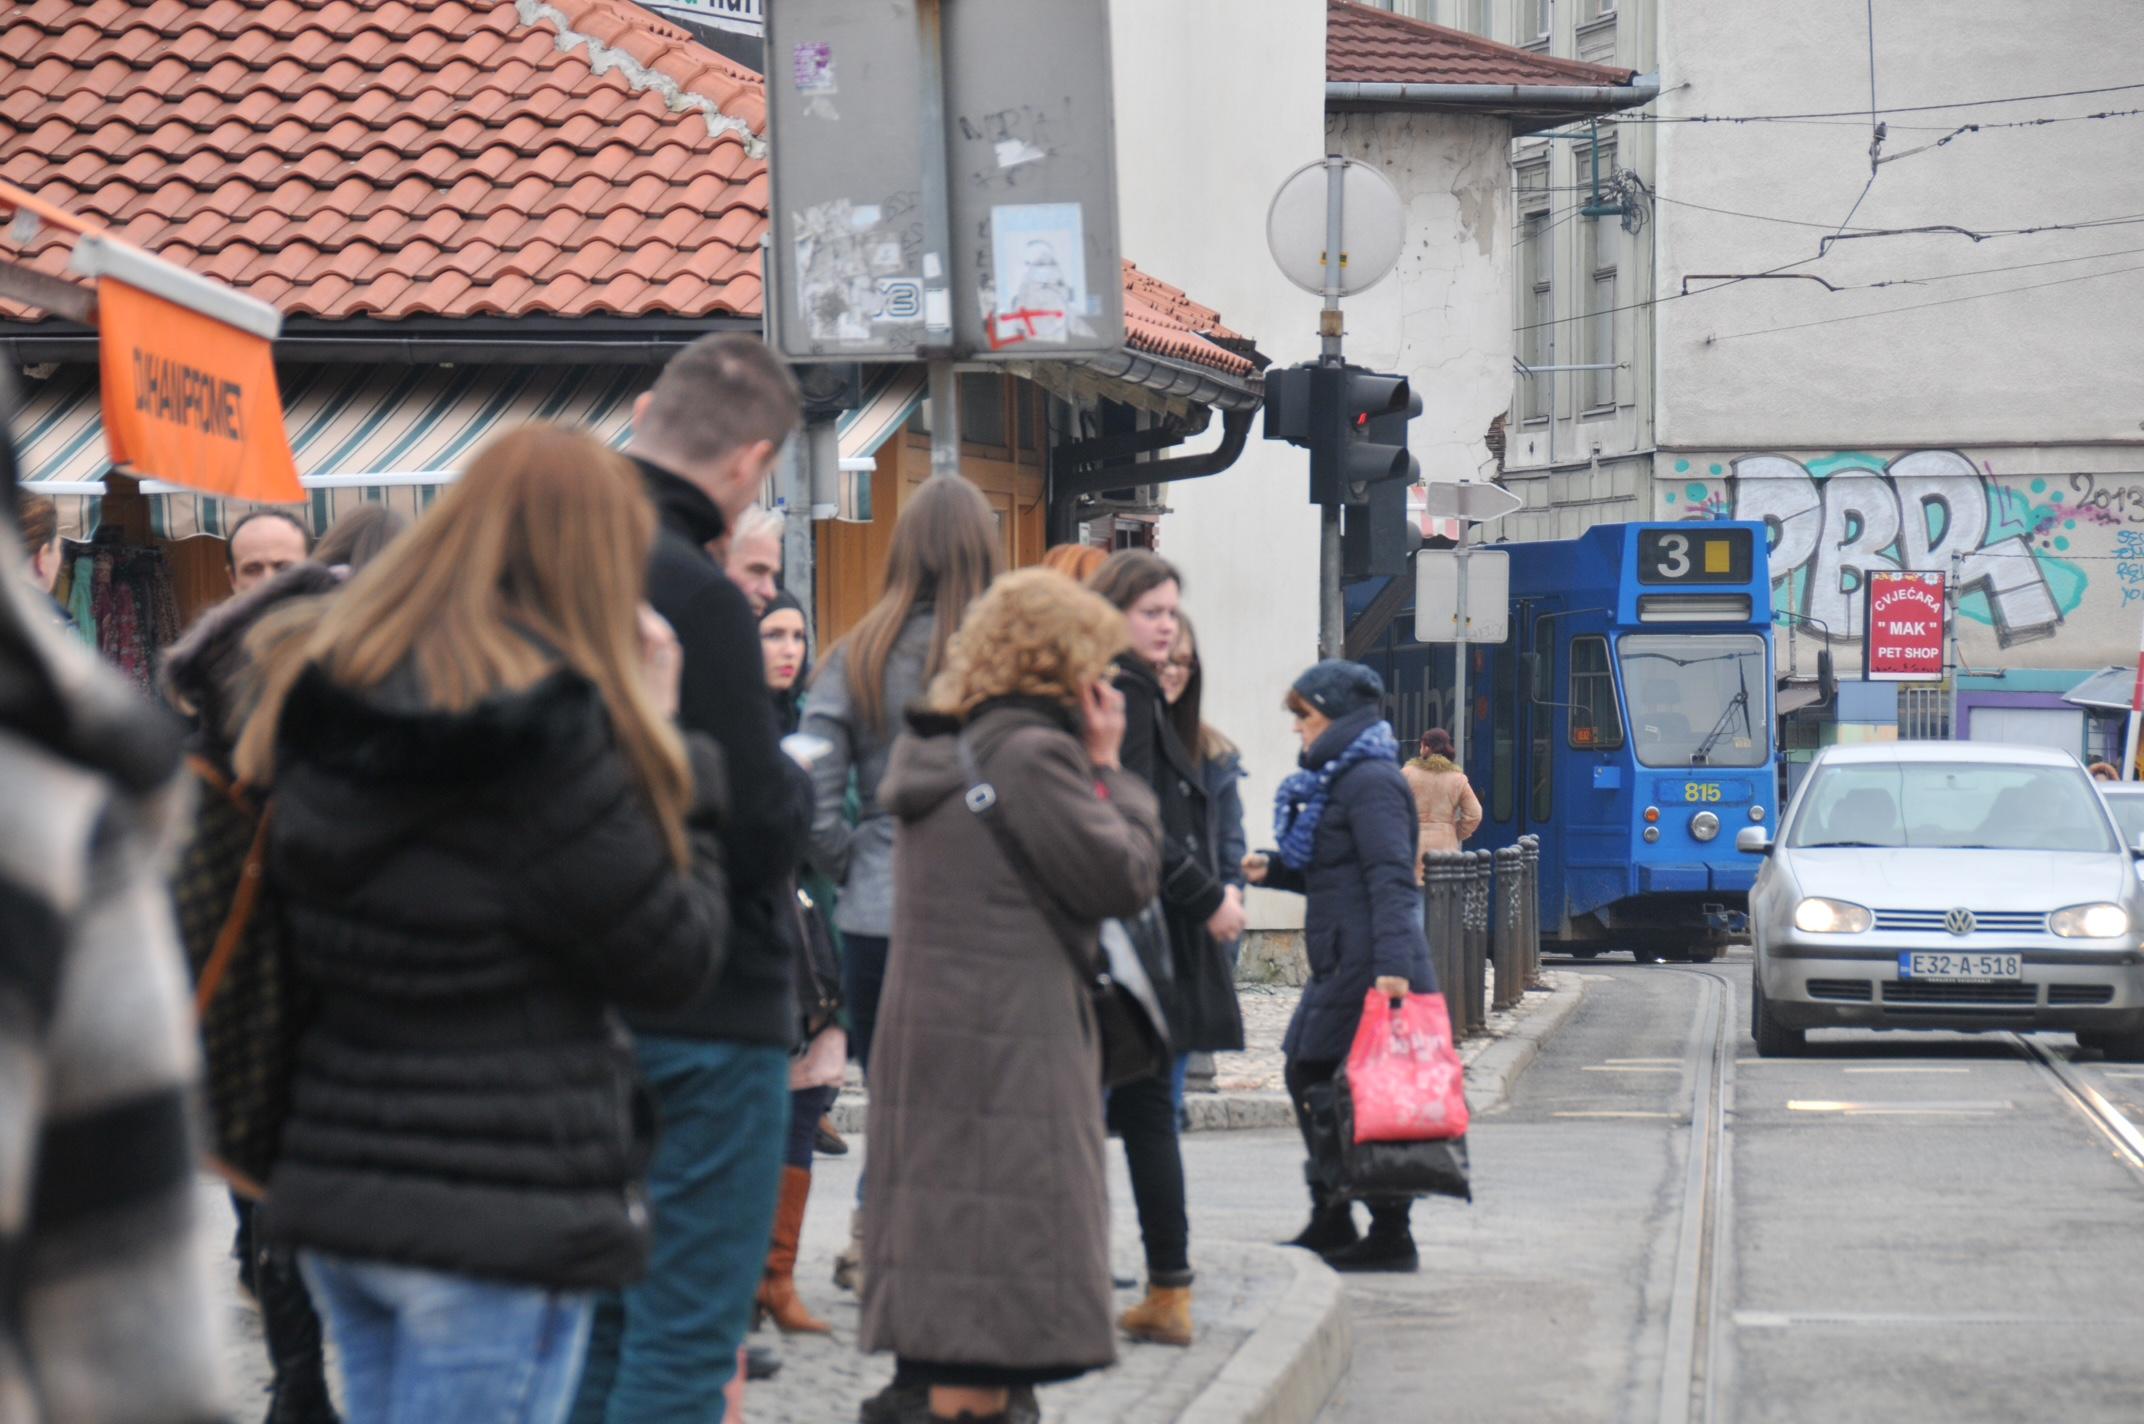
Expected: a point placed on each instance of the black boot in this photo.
(1332, 1224)
(897, 1403)
(1389, 1246)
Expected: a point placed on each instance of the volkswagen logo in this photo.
(1960, 922)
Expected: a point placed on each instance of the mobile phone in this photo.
(804, 749)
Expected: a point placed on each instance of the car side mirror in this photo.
(1753, 840)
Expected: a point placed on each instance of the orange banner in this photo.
(190, 399)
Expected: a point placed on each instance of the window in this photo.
(1537, 298)
(982, 411)
(1540, 15)
(1503, 731)
(1599, 246)
(1591, 10)
(1697, 699)
(1541, 719)
(1596, 720)
(1951, 805)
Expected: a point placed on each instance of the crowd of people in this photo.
(592, 887)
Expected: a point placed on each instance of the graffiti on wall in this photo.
(1834, 521)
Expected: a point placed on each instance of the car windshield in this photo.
(1951, 806)
(1696, 699)
(2128, 809)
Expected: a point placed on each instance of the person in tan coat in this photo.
(1443, 801)
(986, 1246)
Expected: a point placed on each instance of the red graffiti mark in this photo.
(1026, 317)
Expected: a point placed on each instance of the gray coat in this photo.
(987, 1241)
(859, 858)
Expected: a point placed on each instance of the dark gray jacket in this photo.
(1364, 919)
(859, 858)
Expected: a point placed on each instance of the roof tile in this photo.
(1364, 45)
(441, 158)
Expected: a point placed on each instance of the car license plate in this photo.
(1933, 964)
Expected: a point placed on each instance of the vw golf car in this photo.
(1948, 885)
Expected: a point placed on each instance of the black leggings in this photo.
(299, 1392)
(1307, 1073)
(1143, 1113)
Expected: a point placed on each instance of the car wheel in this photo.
(1774, 1039)
(1704, 953)
(2120, 1047)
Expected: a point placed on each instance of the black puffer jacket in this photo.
(470, 893)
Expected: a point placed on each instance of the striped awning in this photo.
(388, 433)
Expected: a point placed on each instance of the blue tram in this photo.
(1626, 721)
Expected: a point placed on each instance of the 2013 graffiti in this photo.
(1927, 511)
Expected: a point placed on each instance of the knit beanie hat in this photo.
(1337, 688)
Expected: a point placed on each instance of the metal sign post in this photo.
(2136, 715)
(1470, 504)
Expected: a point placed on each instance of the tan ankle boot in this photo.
(778, 1287)
(1163, 1318)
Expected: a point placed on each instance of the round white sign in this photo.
(1372, 227)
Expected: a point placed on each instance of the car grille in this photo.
(1938, 991)
(2080, 994)
(1851, 990)
(1984, 921)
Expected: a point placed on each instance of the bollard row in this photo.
(1461, 921)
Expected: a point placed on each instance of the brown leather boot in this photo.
(778, 1287)
(1163, 1318)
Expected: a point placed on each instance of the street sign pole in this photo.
(937, 346)
(1332, 612)
(1459, 651)
(2136, 715)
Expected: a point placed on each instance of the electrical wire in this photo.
(1858, 115)
(1976, 235)
(1922, 306)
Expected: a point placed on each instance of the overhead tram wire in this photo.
(1862, 116)
(1922, 306)
(1876, 130)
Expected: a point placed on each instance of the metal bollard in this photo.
(1441, 922)
(1531, 935)
(1474, 942)
(1510, 924)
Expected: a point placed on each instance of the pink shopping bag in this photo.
(1404, 1074)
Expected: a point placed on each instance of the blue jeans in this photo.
(419, 1346)
(664, 1349)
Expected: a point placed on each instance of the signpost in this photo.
(1470, 504)
(2136, 715)
(944, 187)
(1904, 633)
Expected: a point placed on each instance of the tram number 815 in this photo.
(1695, 791)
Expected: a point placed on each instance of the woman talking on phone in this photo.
(1348, 831)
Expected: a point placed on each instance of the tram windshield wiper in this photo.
(1719, 728)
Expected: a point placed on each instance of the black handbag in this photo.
(1368, 1170)
(1127, 1016)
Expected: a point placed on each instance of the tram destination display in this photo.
(1693, 554)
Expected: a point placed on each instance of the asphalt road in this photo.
(1895, 1227)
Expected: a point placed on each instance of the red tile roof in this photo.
(425, 158)
(415, 158)
(1161, 320)
(1369, 46)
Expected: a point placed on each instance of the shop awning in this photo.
(392, 434)
(2107, 690)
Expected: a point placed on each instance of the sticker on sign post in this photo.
(1905, 628)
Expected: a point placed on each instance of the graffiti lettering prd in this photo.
(1828, 535)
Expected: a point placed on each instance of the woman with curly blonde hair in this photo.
(987, 1244)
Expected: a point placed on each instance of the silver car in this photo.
(1952, 885)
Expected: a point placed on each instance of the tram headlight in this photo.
(2090, 922)
(1704, 826)
(1756, 813)
(1652, 834)
(1818, 915)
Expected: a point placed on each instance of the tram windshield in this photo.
(1696, 699)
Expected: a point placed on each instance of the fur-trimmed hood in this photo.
(207, 670)
(386, 735)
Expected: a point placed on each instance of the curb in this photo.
(1490, 1077)
(1226, 1112)
(1287, 1370)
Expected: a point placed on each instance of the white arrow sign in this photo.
(1477, 504)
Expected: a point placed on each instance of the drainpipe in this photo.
(1116, 474)
(1642, 90)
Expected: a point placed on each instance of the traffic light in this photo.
(1353, 422)
(1377, 538)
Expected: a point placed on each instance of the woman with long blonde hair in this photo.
(482, 834)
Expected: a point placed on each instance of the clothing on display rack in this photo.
(123, 602)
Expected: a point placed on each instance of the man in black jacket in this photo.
(705, 438)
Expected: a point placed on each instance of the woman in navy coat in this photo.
(1347, 829)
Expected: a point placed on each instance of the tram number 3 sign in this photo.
(1906, 628)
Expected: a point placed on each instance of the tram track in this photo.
(2074, 1088)
(1690, 1384)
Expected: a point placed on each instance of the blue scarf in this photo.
(1300, 806)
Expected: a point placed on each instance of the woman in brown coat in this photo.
(1443, 801)
(987, 1244)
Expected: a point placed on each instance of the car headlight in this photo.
(2090, 922)
(1817, 915)
(1704, 826)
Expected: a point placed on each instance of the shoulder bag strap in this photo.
(982, 799)
(244, 901)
